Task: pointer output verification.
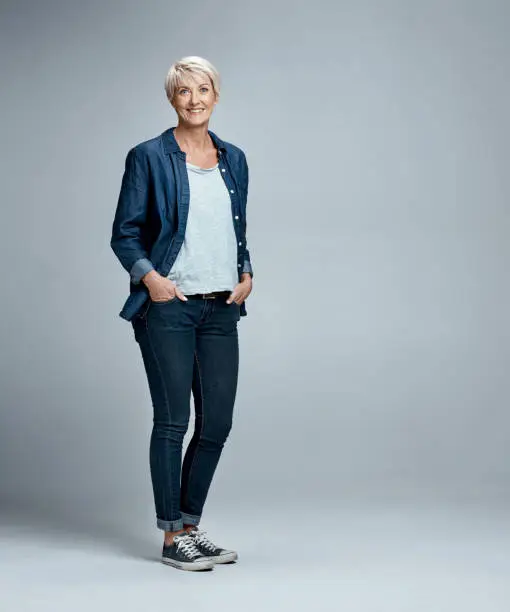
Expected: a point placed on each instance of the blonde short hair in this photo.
(192, 64)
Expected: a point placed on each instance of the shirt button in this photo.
(223, 169)
(238, 265)
(236, 217)
(231, 191)
(240, 243)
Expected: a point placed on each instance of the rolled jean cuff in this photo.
(170, 525)
(190, 519)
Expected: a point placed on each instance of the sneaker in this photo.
(210, 550)
(184, 554)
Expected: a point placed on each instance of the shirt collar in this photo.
(170, 144)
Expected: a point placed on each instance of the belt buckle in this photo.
(205, 296)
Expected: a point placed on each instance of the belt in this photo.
(208, 296)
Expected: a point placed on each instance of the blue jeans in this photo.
(188, 347)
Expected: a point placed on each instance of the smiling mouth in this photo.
(196, 111)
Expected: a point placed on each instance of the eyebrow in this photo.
(201, 85)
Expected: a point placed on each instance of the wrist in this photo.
(147, 278)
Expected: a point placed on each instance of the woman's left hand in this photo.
(241, 291)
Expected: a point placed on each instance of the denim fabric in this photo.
(188, 348)
(150, 220)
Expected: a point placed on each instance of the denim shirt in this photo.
(150, 219)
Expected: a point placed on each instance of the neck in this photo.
(192, 138)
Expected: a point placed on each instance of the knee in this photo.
(170, 431)
(218, 433)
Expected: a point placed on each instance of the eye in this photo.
(205, 89)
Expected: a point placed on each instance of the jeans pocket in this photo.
(162, 303)
(236, 308)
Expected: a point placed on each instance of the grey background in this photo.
(373, 385)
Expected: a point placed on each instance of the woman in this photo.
(180, 232)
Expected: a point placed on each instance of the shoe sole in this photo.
(190, 567)
(225, 558)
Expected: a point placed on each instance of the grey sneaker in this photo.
(184, 554)
(209, 549)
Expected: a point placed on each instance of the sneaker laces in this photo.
(187, 544)
(201, 538)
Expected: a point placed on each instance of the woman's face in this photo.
(194, 99)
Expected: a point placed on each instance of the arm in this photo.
(127, 239)
(247, 267)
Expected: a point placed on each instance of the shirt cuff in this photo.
(247, 268)
(140, 269)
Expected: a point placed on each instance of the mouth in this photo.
(196, 111)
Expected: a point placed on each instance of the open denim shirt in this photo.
(152, 210)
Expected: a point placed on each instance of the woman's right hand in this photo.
(161, 288)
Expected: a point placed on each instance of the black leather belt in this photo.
(208, 296)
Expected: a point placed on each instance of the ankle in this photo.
(169, 536)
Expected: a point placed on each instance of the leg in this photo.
(167, 343)
(215, 373)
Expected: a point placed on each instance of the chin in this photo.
(195, 122)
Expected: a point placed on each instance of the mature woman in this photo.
(180, 232)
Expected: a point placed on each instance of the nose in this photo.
(194, 98)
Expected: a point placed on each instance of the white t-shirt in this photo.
(207, 260)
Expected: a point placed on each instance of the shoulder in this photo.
(234, 151)
(235, 154)
(143, 154)
(237, 160)
(147, 147)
